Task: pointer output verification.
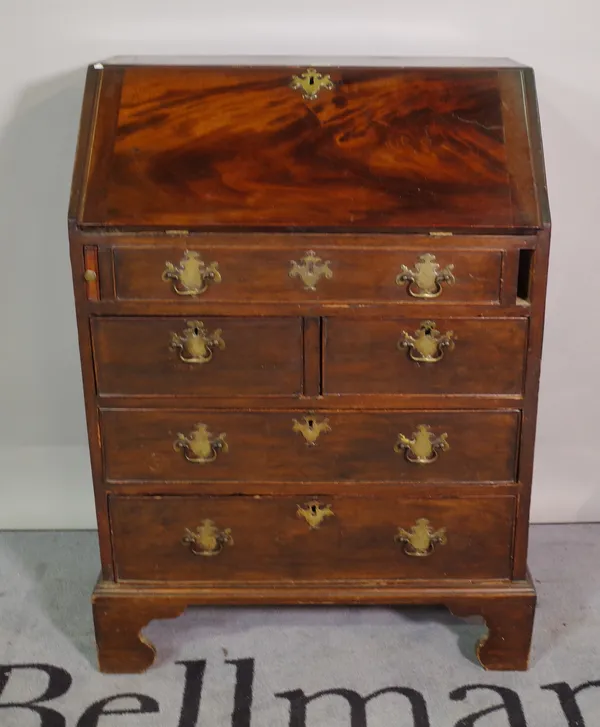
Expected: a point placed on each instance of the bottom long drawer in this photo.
(248, 539)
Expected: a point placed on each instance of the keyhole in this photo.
(196, 331)
(428, 331)
(311, 81)
(314, 509)
(311, 423)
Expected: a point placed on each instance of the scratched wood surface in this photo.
(386, 149)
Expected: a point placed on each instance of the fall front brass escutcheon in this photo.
(425, 281)
(310, 269)
(311, 429)
(311, 83)
(421, 539)
(314, 513)
(196, 344)
(424, 447)
(192, 275)
(207, 539)
(427, 345)
(200, 447)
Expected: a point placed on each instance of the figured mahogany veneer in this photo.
(335, 401)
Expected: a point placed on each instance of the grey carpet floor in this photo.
(230, 667)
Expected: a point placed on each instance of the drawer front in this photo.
(211, 356)
(172, 273)
(416, 356)
(228, 539)
(420, 446)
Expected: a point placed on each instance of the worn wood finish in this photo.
(264, 275)
(364, 356)
(270, 541)
(261, 357)
(121, 610)
(263, 446)
(387, 148)
(396, 161)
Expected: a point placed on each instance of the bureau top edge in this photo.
(375, 149)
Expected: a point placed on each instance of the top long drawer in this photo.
(441, 274)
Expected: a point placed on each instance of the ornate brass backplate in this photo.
(425, 281)
(311, 83)
(314, 513)
(421, 539)
(424, 447)
(427, 345)
(200, 447)
(207, 539)
(196, 344)
(311, 429)
(191, 276)
(310, 269)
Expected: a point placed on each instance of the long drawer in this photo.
(245, 539)
(271, 446)
(473, 356)
(208, 356)
(433, 274)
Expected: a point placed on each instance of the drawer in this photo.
(210, 356)
(414, 356)
(229, 539)
(194, 446)
(177, 274)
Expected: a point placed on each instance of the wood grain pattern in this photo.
(262, 356)
(138, 445)
(264, 276)
(387, 149)
(271, 541)
(362, 356)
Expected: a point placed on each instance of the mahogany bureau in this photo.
(310, 302)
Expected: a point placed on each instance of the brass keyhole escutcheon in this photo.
(310, 428)
(311, 83)
(314, 513)
(427, 344)
(310, 270)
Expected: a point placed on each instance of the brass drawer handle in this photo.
(310, 428)
(421, 539)
(424, 447)
(200, 447)
(425, 281)
(192, 276)
(310, 269)
(207, 539)
(314, 513)
(196, 344)
(427, 345)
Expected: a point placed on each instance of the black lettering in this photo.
(59, 683)
(510, 703)
(92, 714)
(358, 705)
(567, 697)
(192, 692)
(242, 699)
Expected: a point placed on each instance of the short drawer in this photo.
(422, 446)
(245, 539)
(186, 275)
(415, 356)
(209, 356)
